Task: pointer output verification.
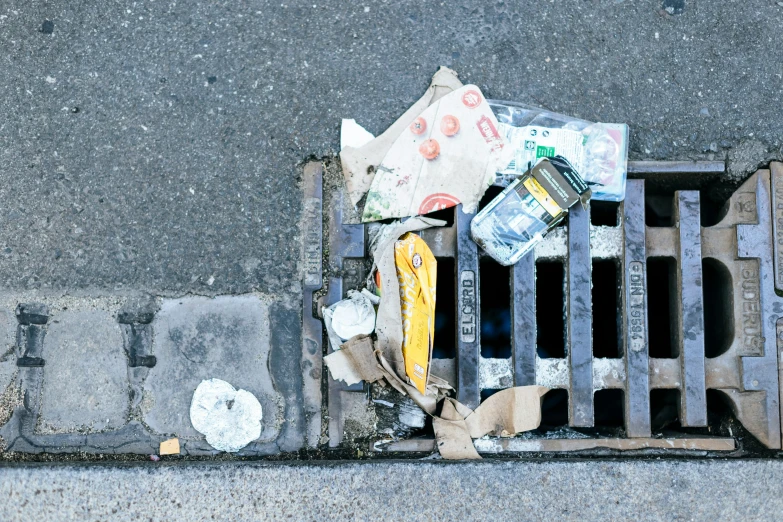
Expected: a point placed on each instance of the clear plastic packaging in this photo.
(511, 225)
(598, 151)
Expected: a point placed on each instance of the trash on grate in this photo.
(169, 447)
(503, 414)
(359, 163)
(354, 362)
(354, 135)
(230, 418)
(154, 458)
(449, 155)
(598, 151)
(398, 417)
(416, 273)
(350, 317)
(526, 210)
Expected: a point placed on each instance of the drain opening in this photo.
(486, 394)
(554, 410)
(550, 310)
(606, 311)
(489, 195)
(664, 409)
(659, 208)
(604, 213)
(495, 293)
(718, 307)
(446, 214)
(661, 295)
(608, 407)
(445, 342)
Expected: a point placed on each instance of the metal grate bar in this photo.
(580, 317)
(468, 313)
(690, 313)
(636, 343)
(523, 320)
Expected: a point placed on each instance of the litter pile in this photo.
(447, 150)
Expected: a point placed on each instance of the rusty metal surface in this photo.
(743, 244)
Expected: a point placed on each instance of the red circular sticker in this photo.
(449, 125)
(418, 126)
(429, 149)
(471, 99)
(437, 201)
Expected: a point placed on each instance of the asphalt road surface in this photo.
(154, 145)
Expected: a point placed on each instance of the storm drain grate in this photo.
(613, 313)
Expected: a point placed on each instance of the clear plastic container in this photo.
(512, 224)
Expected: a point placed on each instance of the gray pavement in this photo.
(608, 490)
(154, 146)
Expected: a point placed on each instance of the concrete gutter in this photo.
(525, 490)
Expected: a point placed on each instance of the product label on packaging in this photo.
(531, 143)
(417, 275)
(542, 196)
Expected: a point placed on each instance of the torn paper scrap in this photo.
(354, 135)
(169, 447)
(359, 163)
(230, 418)
(505, 413)
(354, 362)
(449, 155)
(416, 273)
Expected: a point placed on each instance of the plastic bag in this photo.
(598, 151)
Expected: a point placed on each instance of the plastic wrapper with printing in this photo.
(527, 209)
(598, 151)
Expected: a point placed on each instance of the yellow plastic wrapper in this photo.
(417, 274)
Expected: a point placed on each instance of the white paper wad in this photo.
(448, 155)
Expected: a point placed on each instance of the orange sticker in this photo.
(449, 125)
(430, 149)
(419, 125)
(437, 201)
(471, 99)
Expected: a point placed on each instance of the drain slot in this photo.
(661, 293)
(606, 312)
(495, 304)
(550, 309)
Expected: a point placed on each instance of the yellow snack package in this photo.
(417, 274)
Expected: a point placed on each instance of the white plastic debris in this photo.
(230, 418)
(353, 316)
(353, 135)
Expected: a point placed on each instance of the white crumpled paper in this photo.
(230, 418)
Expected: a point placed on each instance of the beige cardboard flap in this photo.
(359, 163)
(451, 433)
(507, 412)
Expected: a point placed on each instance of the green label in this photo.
(543, 152)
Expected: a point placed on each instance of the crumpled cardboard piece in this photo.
(505, 413)
(417, 275)
(449, 155)
(355, 362)
(452, 437)
(359, 163)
